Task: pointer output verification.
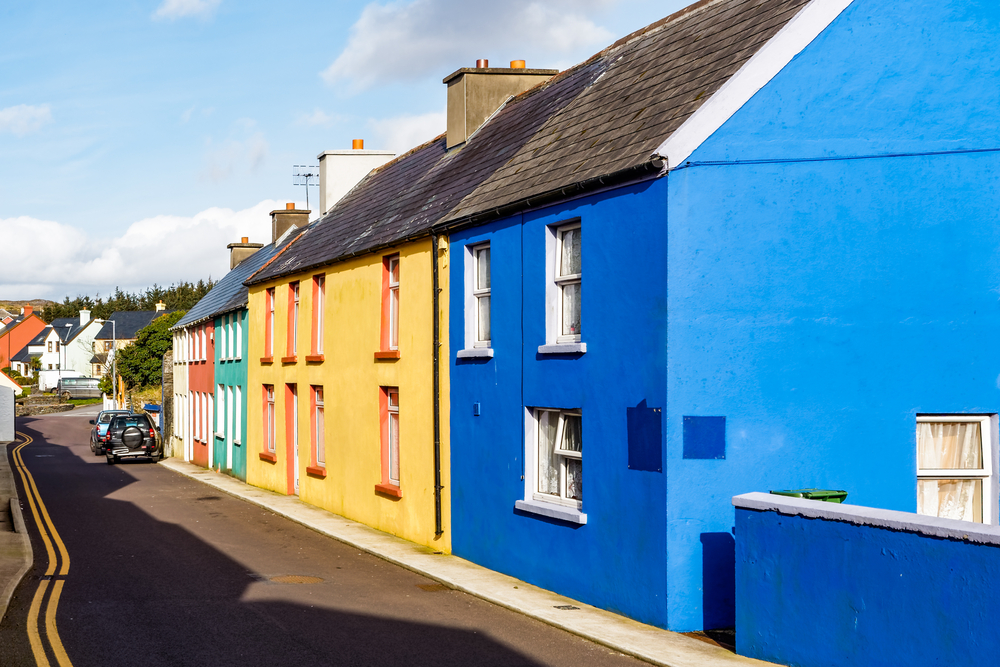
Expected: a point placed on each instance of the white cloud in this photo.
(175, 9)
(24, 118)
(400, 40)
(402, 133)
(235, 156)
(318, 118)
(164, 249)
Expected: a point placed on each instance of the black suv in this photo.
(130, 436)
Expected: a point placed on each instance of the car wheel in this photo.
(66, 395)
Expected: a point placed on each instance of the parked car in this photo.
(132, 436)
(99, 434)
(78, 388)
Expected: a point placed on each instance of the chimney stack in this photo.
(27, 310)
(240, 251)
(84, 317)
(160, 306)
(339, 171)
(282, 221)
(475, 93)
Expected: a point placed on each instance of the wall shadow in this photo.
(718, 571)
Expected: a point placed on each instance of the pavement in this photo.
(15, 545)
(648, 643)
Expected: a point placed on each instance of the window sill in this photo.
(220, 436)
(389, 490)
(567, 514)
(267, 360)
(314, 358)
(316, 471)
(289, 360)
(268, 456)
(475, 353)
(237, 443)
(563, 348)
(386, 354)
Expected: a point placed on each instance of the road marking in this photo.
(46, 528)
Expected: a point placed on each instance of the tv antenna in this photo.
(305, 175)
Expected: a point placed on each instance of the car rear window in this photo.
(132, 420)
(106, 417)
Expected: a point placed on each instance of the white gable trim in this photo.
(795, 36)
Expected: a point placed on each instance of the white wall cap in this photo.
(859, 515)
(763, 66)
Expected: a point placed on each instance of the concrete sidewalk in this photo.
(15, 545)
(645, 642)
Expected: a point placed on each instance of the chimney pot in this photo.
(517, 64)
(245, 239)
(290, 206)
(482, 63)
(358, 144)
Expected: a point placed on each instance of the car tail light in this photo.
(152, 433)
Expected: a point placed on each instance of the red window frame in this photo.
(390, 321)
(291, 433)
(318, 308)
(317, 431)
(268, 326)
(270, 452)
(389, 427)
(292, 329)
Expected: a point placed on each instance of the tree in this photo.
(181, 296)
(141, 363)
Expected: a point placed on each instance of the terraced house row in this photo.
(559, 338)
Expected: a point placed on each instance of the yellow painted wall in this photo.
(352, 378)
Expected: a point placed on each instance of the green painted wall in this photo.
(231, 372)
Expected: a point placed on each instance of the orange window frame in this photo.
(389, 324)
(269, 326)
(317, 431)
(269, 453)
(388, 486)
(318, 308)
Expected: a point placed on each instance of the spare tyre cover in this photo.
(132, 437)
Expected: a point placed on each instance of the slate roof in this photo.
(42, 335)
(24, 356)
(67, 333)
(230, 293)
(606, 116)
(646, 85)
(127, 323)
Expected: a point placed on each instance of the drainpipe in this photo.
(436, 299)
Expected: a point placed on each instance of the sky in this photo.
(138, 138)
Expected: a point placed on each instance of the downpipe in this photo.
(436, 301)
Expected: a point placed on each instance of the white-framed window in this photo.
(955, 467)
(558, 449)
(568, 279)
(220, 413)
(238, 414)
(229, 414)
(563, 289)
(394, 303)
(238, 334)
(230, 334)
(222, 347)
(478, 302)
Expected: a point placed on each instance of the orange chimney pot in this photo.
(358, 144)
(517, 64)
(290, 206)
(482, 63)
(245, 239)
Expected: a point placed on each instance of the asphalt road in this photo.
(166, 571)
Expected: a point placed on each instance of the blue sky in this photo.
(139, 137)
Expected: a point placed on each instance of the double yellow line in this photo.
(49, 536)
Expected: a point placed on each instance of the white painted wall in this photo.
(6, 414)
(339, 171)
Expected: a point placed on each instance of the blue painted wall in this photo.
(819, 305)
(618, 559)
(821, 593)
(232, 373)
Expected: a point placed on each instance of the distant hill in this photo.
(15, 306)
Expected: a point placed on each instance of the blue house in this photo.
(751, 247)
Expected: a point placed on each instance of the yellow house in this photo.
(348, 337)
